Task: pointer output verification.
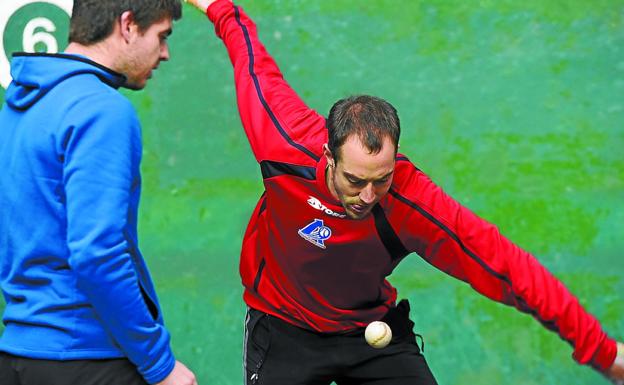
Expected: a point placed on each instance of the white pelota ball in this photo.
(378, 334)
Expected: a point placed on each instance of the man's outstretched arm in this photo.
(465, 246)
(278, 124)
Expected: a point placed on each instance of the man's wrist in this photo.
(202, 5)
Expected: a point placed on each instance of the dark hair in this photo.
(369, 117)
(93, 20)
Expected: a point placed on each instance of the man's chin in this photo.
(357, 215)
(134, 86)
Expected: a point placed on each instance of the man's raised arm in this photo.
(279, 125)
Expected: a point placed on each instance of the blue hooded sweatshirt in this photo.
(73, 279)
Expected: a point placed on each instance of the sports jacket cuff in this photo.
(605, 355)
(161, 370)
(218, 8)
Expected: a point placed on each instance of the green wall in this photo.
(515, 108)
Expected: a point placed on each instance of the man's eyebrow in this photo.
(351, 176)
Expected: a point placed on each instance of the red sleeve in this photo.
(279, 125)
(458, 242)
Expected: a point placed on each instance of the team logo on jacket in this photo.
(316, 233)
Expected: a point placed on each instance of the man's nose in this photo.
(164, 52)
(367, 195)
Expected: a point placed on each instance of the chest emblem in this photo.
(316, 233)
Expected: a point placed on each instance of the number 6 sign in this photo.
(38, 31)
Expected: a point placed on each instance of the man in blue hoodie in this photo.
(80, 304)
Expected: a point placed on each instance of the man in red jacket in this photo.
(341, 209)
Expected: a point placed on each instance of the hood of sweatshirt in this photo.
(35, 74)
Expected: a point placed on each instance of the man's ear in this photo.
(127, 25)
(328, 155)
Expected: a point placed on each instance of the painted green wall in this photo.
(515, 108)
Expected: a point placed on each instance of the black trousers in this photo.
(278, 353)
(25, 371)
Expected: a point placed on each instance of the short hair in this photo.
(369, 117)
(92, 20)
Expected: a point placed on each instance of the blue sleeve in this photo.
(102, 150)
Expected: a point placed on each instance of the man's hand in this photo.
(180, 375)
(616, 371)
(202, 5)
